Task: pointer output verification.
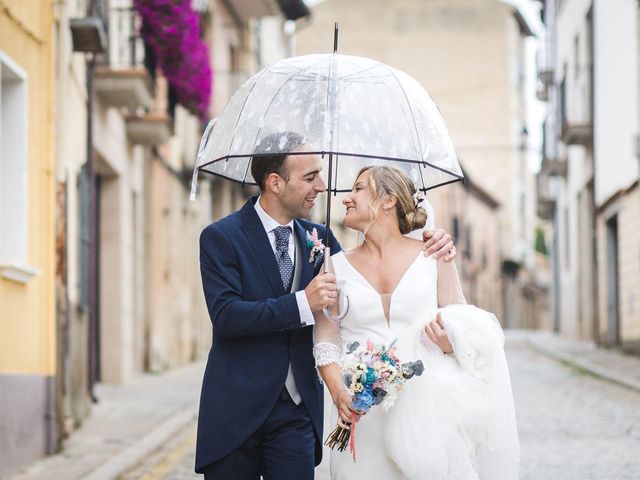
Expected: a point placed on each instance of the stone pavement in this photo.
(608, 364)
(132, 422)
(126, 425)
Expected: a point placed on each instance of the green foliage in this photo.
(540, 245)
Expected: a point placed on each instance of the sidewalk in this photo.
(127, 424)
(608, 364)
(132, 421)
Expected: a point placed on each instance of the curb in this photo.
(578, 362)
(133, 455)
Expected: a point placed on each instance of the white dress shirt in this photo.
(269, 224)
(306, 317)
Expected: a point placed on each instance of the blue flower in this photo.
(369, 377)
(363, 400)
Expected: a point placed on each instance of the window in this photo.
(13, 172)
(567, 240)
(576, 58)
(562, 103)
(456, 230)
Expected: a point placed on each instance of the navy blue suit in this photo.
(256, 334)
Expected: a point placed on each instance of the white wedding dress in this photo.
(456, 421)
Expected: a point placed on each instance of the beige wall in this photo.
(479, 229)
(627, 209)
(629, 269)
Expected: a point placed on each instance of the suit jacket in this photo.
(256, 334)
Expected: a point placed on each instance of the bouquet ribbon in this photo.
(352, 439)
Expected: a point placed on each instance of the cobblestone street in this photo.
(572, 426)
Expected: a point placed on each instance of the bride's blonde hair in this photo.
(385, 181)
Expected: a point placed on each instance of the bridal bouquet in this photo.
(375, 376)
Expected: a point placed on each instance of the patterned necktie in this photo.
(282, 255)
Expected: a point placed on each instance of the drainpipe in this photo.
(594, 206)
(93, 226)
(93, 267)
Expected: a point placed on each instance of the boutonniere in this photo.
(314, 244)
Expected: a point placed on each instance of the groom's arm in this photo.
(222, 283)
(439, 244)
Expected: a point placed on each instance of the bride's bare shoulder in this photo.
(355, 251)
(413, 244)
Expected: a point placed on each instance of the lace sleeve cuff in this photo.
(326, 353)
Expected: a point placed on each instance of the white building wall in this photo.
(616, 96)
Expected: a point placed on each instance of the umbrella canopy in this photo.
(352, 111)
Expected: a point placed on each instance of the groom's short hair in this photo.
(273, 150)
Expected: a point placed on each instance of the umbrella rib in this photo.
(244, 104)
(413, 119)
(344, 154)
(273, 97)
(445, 183)
(424, 186)
(361, 71)
(335, 190)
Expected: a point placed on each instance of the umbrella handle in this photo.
(344, 309)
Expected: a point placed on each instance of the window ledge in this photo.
(16, 272)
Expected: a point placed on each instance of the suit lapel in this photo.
(307, 268)
(259, 241)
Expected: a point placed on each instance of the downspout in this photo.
(93, 324)
(93, 234)
(594, 206)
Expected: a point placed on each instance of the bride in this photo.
(457, 420)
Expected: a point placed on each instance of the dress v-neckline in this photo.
(370, 285)
(388, 297)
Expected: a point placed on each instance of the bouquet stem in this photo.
(341, 437)
(338, 438)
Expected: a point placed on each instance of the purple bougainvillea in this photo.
(171, 28)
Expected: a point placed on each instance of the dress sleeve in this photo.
(326, 340)
(449, 287)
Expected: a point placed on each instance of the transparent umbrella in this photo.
(352, 111)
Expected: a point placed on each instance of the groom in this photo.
(261, 399)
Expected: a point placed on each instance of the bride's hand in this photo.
(438, 335)
(343, 404)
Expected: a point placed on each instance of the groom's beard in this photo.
(298, 211)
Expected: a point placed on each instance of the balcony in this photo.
(545, 59)
(131, 88)
(148, 129)
(545, 65)
(546, 206)
(244, 10)
(125, 80)
(577, 132)
(543, 94)
(575, 109)
(247, 9)
(551, 172)
(554, 167)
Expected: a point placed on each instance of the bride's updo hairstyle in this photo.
(385, 181)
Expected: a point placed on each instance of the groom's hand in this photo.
(322, 292)
(439, 244)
